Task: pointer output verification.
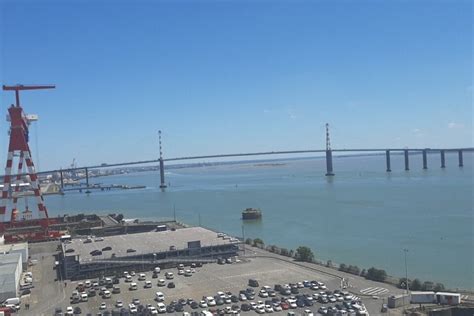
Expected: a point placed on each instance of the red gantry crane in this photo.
(28, 225)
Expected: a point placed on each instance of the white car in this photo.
(142, 277)
(253, 305)
(132, 273)
(157, 270)
(133, 286)
(188, 272)
(203, 304)
(292, 304)
(119, 304)
(308, 312)
(161, 282)
(323, 310)
(300, 285)
(159, 296)
(132, 308)
(263, 293)
(268, 309)
(103, 306)
(69, 310)
(221, 294)
(161, 308)
(153, 310)
(169, 275)
(242, 297)
(180, 272)
(147, 284)
(210, 301)
(277, 307)
(260, 309)
(87, 283)
(266, 288)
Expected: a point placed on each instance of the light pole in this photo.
(406, 269)
(405, 250)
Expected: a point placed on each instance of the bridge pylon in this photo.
(162, 165)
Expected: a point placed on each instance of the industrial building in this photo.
(90, 257)
(10, 275)
(17, 248)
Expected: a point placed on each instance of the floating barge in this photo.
(251, 214)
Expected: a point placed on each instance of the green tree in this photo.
(363, 273)
(342, 267)
(257, 242)
(329, 264)
(376, 274)
(353, 269)
(304, 253)
(439, 287)
(249, 241)
(284, 252)
(415, 285)
(291, 253)
(427, 286)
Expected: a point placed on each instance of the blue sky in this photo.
(233, 76)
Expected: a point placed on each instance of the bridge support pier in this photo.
(407, 166)
(87, 177)
(443, 165)
(329, 171)
(162, 174)
(460, 158)
(61, 178)
(387, 158)
(425, 160)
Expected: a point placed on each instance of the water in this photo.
(362, 216)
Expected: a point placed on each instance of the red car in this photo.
(284, 305)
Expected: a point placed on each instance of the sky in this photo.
(236, 76)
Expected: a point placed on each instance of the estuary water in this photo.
(362, 216)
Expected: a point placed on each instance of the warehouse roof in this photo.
(13, 247)
(8, 265)
(144, 243)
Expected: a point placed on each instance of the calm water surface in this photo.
(362, 216)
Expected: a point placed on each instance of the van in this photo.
(159, 296)
(147, 284)
(169, 275)
(13, 300)
(253, 283)
(133, 286)
(142, 277)
(128, 278)
(157, 270)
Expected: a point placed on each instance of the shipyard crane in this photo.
(18, 147)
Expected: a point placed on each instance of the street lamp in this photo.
(406, 269)
(406, 277)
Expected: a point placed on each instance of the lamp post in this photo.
(405, 251)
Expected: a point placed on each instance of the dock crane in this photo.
(29, 227)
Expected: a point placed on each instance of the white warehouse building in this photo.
(10, 275)
(17, 248)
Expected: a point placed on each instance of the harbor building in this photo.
(21, 248)
(10, 275)
(95, 256)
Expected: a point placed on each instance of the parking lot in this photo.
(206, 281)
(49, 294)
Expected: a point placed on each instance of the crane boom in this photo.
(17, 88)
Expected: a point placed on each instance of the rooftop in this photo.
(12, 247)
(8, 265)
(144, 243)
